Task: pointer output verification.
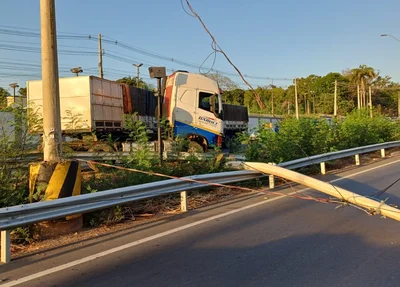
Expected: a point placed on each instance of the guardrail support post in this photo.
(383, 152)
(271, 181)
(323, 170)
(184, 201)
(5, 246)
(357, 157)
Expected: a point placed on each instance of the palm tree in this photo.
(361, 76)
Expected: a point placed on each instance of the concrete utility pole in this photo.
(295, 98)
(100, 58)
(138, 73)
(370, 101)
(51, 98)
(14, 86)
(398, 104)
(358, 97)
(272, 97)
(335, 100)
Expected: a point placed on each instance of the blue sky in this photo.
(275, 39)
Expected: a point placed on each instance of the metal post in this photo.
(323, 170)
(5, 246)
(184, 201)
(159, 114)
(51, 99)
(100, 58)
(383, 153)
(357, 157)
(272, 96)
(295, 98)
(271, 181)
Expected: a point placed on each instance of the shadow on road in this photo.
(252, 254)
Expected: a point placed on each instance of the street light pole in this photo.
(137, 74)
(76, 71)
(391, 36)
(14, 85)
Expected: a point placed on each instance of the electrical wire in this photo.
(28, 32)
(217, 48)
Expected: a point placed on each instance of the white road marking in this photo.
(172, 231)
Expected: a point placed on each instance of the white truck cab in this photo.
(193, 107)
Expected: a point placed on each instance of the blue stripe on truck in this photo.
(182, 129)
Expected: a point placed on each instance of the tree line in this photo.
(316, 93)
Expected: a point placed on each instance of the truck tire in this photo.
(195, 147)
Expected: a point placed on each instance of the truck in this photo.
(95, 107)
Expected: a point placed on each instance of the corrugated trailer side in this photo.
(87, 104)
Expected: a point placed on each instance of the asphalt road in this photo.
(259, 242)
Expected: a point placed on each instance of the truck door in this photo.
(207, 115)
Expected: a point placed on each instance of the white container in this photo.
(87, 104)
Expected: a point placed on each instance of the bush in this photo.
(15, 145)
(311, 136)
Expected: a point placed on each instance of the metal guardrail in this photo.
(16, 216)
(316, 159)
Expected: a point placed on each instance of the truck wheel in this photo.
(195, 147)
(101, 147)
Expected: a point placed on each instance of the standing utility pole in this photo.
(295, 98)
(272, 96)
(358, 97)
(335, 100)
(51, 97)
(137, 74)
(398, 104)
(100, 58)
(370, 101)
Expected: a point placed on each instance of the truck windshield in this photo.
(209, 102)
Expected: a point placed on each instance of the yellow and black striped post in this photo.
(54, 180)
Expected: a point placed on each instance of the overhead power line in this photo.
(28, 32)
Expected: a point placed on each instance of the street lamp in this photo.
(137, 74)
(390, 35)
(76, 70)
(14, 86)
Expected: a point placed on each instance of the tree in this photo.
(235, 97)
(22, 92)
(3, 97)
(225, 83)
(131, 81)
(361, 76)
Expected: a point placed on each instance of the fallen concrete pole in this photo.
(373, 206)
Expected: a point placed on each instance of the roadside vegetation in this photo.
(311, 136)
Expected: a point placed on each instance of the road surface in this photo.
(248, 242)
